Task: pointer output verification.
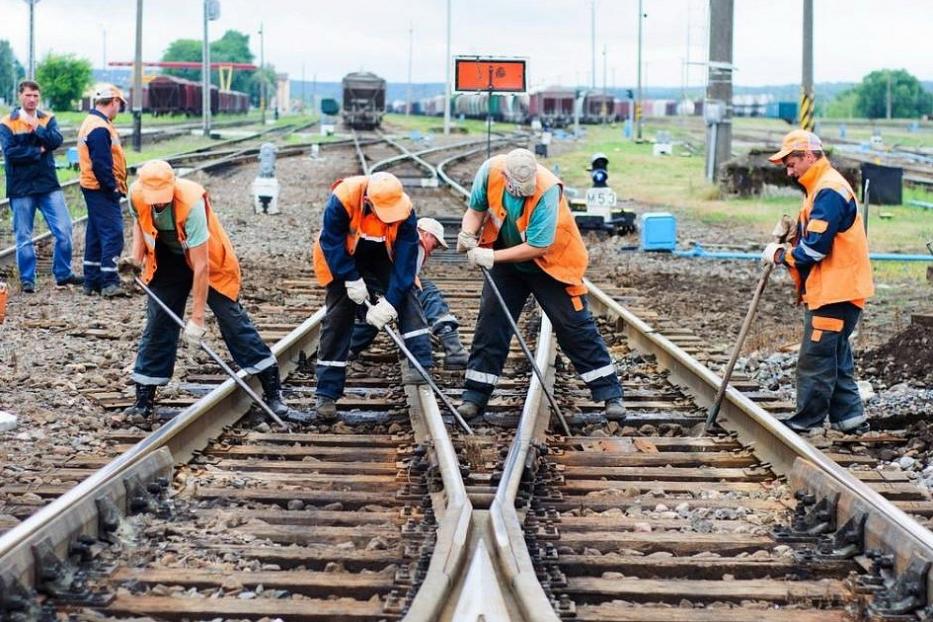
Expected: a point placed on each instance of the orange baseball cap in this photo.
(387, 197)
(157, 181)
(797, 140)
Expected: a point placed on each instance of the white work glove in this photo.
(193, 334)
(357, 291)
(381, 313)
(466, 241)
(482, 257)
(783, 228)
(770, 254)
(129, 265)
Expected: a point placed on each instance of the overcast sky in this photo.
(330, 38)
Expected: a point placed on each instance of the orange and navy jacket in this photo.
(566, 258)
(829, 260)
(29, 170)
(349, 219)
(224, 269)
(100, 155)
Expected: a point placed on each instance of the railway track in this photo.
(391, 514)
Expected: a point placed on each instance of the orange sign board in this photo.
(490, 74)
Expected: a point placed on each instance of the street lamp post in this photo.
(138, 81)
(262, 74)
(31, 62)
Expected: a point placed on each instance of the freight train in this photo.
(554, 107)
(168, 95)
(364, 100)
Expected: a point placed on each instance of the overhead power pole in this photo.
(31, 61)
(447, 78)
(411, 49)
(262, 72)
(206, 77)
(138, 81)
(637, 112)
(593, 40)
(718, 111)
(807, 121)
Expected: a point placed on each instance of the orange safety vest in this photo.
(87, 178)
(566, 258)
(351, 192)
(844, 275)
(224, 269)
(19, 126)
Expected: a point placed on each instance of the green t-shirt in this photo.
(542, 226)
(196, 232)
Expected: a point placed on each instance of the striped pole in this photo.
(806, 112)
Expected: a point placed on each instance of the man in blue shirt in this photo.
(29, 137)
(519, 227)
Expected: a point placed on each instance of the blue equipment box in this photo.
(658, 231)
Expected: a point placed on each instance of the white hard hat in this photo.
(433, 227)
(108, 91)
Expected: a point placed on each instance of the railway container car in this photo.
(364, 100)
(598, 108)
(552, 106)
(782, 110)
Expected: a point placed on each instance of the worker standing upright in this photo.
(369, 234)
(103, 183)
(519, 227)
(828, 261)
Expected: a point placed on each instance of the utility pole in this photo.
(593, 39)
(411, 47)
(807, 121)
(206, 77)
(887, 112)
(605, 110)
(637, 113)
(304, 101)
(447, 77)
(103, 48)
(718, 111)
(31, 61)
(137, 80)
(262, 72)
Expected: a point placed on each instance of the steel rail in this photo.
(887, 528)
(408, 154)
(184, 435)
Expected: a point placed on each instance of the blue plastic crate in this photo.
(658, 231)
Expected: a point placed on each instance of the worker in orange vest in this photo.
(181, 247)
(828, 261)
(519, 227)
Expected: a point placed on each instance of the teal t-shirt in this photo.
(196, 232)
(542, 226)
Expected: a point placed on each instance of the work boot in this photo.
(455, 357)
(410, 375)
(326, 408)
(145, 402)
(90, 291)
(73, 279)
(113, 291)
(615, 411)
(470, 411)
(272, 390)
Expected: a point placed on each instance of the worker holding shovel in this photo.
(181, 247)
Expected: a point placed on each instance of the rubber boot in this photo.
(272, 390)
(455, 356)
(145, 402)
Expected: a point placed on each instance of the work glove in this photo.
(193, 334)
(482, 257)
(773, 254)
(381, 313)
(466, 241)
(783, 228)
(357, 291)
(129, 265)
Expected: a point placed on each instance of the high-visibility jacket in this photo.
(844, 274)
(88, 179)
(364, 224)
(566, 258)
(29, 170)
(224, 269)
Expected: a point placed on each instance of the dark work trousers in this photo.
(826, 371)
(103, 239)
(337, 330)
(439, 318)
(573, 325)
(172, 282)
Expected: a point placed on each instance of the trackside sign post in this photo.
(489, 75)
